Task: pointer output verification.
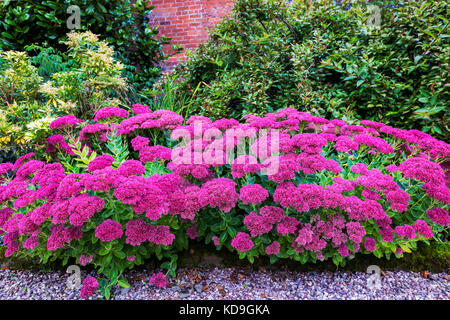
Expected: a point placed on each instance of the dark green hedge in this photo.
(325, 59)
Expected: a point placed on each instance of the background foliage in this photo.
(79, 81)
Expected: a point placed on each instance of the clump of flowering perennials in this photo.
(336, 190)
(69, 121)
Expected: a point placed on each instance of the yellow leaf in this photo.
(405, 247)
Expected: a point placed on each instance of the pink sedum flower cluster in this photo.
(109, 230)
(329, 190)
(158, 280)
(110, 112)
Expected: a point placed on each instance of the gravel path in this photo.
(231, 283)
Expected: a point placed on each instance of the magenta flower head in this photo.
(84, 260)
(158, 280)
(288, 225)
(5, 214)
(253, 194)
(90, 285)
(57, 143)
(309, 142)
(216, 240)
(32, 242)
(19, 162)
(219, 193)
(338, 123)
(140, 108)
(131, 167)
(30, 167)
(83, 207)
(90, 130)
(343, 250)
(257, 225)
(373, 124)
(100, 162)
(423, 170)
(406, 231)
(355, 231)
(360, 168)
(109, 230)
(192, 232)
(4, 168)
(161, 235)
(244, 164)
(423, 229)
(242, 242)
(150, 154)
(137, 232)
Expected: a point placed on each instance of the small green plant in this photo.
(19, 79)
(83, 155)
(95, 79)
(78, 81)
(118, 148)
(48, 60)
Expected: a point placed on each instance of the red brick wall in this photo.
(185, 21)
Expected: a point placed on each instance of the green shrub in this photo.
(79, 81)
(122, 23)
(327, 60)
